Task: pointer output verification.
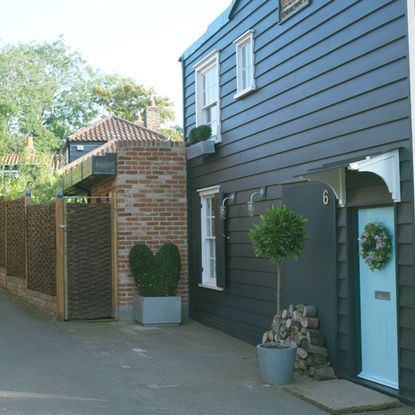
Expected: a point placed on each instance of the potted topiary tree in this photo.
(280, 235)
(157, 277)
(199, 142)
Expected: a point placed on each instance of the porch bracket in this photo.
(334, 178)
(386, 166)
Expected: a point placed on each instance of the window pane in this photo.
(208, 227)
(244, 55)
(212, 268)
(212, 258)
(209, 86)
(212, 208)
(209, 116)
(245, 65)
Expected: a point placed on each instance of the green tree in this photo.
(125, 98)
(280, 235)
(174, 133)
(40, 178)
(46, 91)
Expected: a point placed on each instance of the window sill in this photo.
(211, 287)
(245, 92)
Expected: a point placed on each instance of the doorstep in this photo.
(341, 396)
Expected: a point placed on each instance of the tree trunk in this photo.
(278, 286)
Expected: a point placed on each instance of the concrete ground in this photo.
(47, 367)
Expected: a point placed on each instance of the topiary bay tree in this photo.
(280, 235)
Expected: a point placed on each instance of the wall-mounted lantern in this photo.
(230, 198)
(260, 195)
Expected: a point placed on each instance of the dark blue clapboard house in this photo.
(310, 105)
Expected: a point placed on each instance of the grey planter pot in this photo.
(200, 149)
(157, 310)
(276, 365)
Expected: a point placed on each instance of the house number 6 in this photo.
(326, 199)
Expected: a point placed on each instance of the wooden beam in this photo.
(6, 205)
(114, 254)
(60, 262)
(27, 202)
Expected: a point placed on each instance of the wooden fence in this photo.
(59, 256)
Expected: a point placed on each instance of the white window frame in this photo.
(208, 62)
(246, 39)
(208, 281)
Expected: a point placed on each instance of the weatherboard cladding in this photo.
(332, 83)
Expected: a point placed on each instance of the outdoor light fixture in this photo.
(261, 195)
(222, 212)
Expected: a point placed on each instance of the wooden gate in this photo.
(86, 250)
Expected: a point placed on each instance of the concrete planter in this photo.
(276, 365)
(200, 149)
(157, 310)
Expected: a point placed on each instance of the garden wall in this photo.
(151, 205)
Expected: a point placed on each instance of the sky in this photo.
(141, 39)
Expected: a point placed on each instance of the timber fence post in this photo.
(114, 254)
(27, 202)
(60, 252)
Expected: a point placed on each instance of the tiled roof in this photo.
(110, 147)
(16, 159)
(115, 128)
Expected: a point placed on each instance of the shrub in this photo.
(280, 235)
(169, 266)
(156, 275)
(200, 133)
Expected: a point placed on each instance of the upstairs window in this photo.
(207, 93)
(245, 70)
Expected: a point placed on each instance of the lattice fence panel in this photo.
(2, 233)
(89, 272)
(41, 248)
(16, 246)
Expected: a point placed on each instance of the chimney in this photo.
(138, 120)
(152, 116)
(29, 143)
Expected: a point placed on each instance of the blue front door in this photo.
(379, 346)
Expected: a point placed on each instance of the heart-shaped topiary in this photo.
(155, 275)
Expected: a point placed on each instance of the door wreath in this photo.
(375, 245)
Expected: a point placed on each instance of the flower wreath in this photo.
(375, 245)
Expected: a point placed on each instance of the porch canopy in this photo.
(89, 172)
(384, 165)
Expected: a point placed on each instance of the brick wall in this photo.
(3, 277)
(151, 206)
(18, 286)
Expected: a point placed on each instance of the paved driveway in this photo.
(55, 368)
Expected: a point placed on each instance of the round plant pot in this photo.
(276, 363)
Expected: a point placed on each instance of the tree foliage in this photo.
(48, 91)
(173, 133)
(280, 235)
(125, 98)
(39, 178)
(45, 91)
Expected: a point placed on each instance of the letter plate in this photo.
(383, 295)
